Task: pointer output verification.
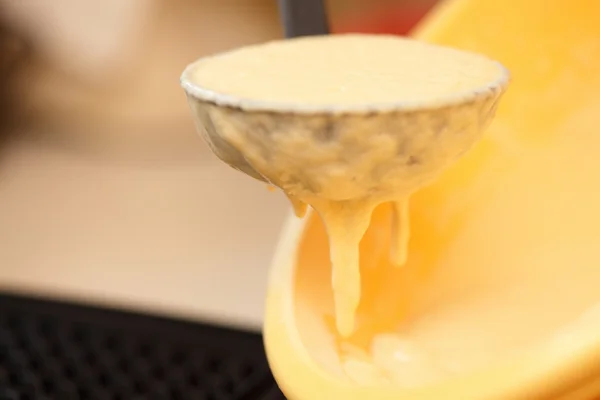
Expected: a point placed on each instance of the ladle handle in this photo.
(303, 17)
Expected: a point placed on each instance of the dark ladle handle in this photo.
(303, 17)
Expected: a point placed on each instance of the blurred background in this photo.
(106, 192)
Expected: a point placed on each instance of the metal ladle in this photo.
(268, 127)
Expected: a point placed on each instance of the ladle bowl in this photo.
(343, 152)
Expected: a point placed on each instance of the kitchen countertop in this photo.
(191, 238)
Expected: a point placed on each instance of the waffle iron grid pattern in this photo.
(60, 351)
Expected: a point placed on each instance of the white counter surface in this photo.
(191, 238)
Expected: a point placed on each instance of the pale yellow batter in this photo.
(344, 70)
(400, 232)
(341, 74)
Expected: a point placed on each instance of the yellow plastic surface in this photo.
(504, 258)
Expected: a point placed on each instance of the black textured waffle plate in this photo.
(62, 351)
